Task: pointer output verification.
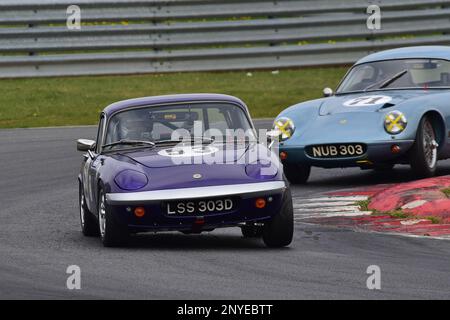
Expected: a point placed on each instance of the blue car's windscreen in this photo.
(158, 123)
(397, 74)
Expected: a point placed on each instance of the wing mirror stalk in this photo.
(272, 136)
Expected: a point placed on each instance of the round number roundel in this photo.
(188, 151)
(367, 101)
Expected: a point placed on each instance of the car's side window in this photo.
(100, 131)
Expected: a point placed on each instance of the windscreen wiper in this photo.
(130, 143)
(204, 140)
(386, 82)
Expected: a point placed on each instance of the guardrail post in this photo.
(271, 44)
(30, 25)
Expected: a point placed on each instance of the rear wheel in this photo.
(89, 225)
(280, 231)
(424, 153)
(297, 173)
(113, 234)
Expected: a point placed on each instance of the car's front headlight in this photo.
(395, 122)
(285, 128)
(131, 180)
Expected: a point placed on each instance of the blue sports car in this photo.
(392, 107)
(188, 163)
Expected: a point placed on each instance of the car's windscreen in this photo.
(397, 74)
(158, 124)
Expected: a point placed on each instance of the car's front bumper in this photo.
(122, 206)
(377, 153)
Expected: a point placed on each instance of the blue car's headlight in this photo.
(285, 127)
(261, 171)
(131, 180)
(395, 122)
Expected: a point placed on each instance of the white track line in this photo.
(322, 204)
(351, 198)
(332, 214)
(326, 207)
(329, 209)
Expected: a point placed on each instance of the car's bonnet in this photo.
(367, 101)
(170, 156)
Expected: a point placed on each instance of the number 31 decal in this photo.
(367, 101)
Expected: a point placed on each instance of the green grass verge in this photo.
(364, 205)
(397, 213)
(446, 192)
(434, 220)
(37, 102)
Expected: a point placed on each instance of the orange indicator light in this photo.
(139, 212)
(260, 203)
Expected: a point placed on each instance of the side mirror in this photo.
(327, 92)
(85, 145)
(273, 134)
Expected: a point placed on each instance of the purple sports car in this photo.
(188, 163)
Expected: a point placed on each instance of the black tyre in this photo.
(113, 234)
(297, 173)
(89, 225)
(252, 231)
(280, 231)
(423, 155)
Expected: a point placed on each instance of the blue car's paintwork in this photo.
(428, 52)
(328, 121)
(163, 174)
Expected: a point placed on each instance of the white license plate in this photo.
(199, 207)
(336, 150)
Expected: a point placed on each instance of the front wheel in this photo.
(424, 152)
(112, 233)
(280, 231)
(297, 173)
(89, 225)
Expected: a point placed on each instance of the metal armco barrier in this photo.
(139, 36)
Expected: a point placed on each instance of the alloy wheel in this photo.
(429, 144)
(102, 215)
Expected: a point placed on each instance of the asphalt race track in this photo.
(40, 237)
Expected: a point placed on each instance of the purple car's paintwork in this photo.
(163, 174)
(168, 99)
(167, 175)
(156, 220)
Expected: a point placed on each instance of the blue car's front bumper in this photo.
(122, 206)
(377, 153)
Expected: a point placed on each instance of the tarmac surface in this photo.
(40, 237)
